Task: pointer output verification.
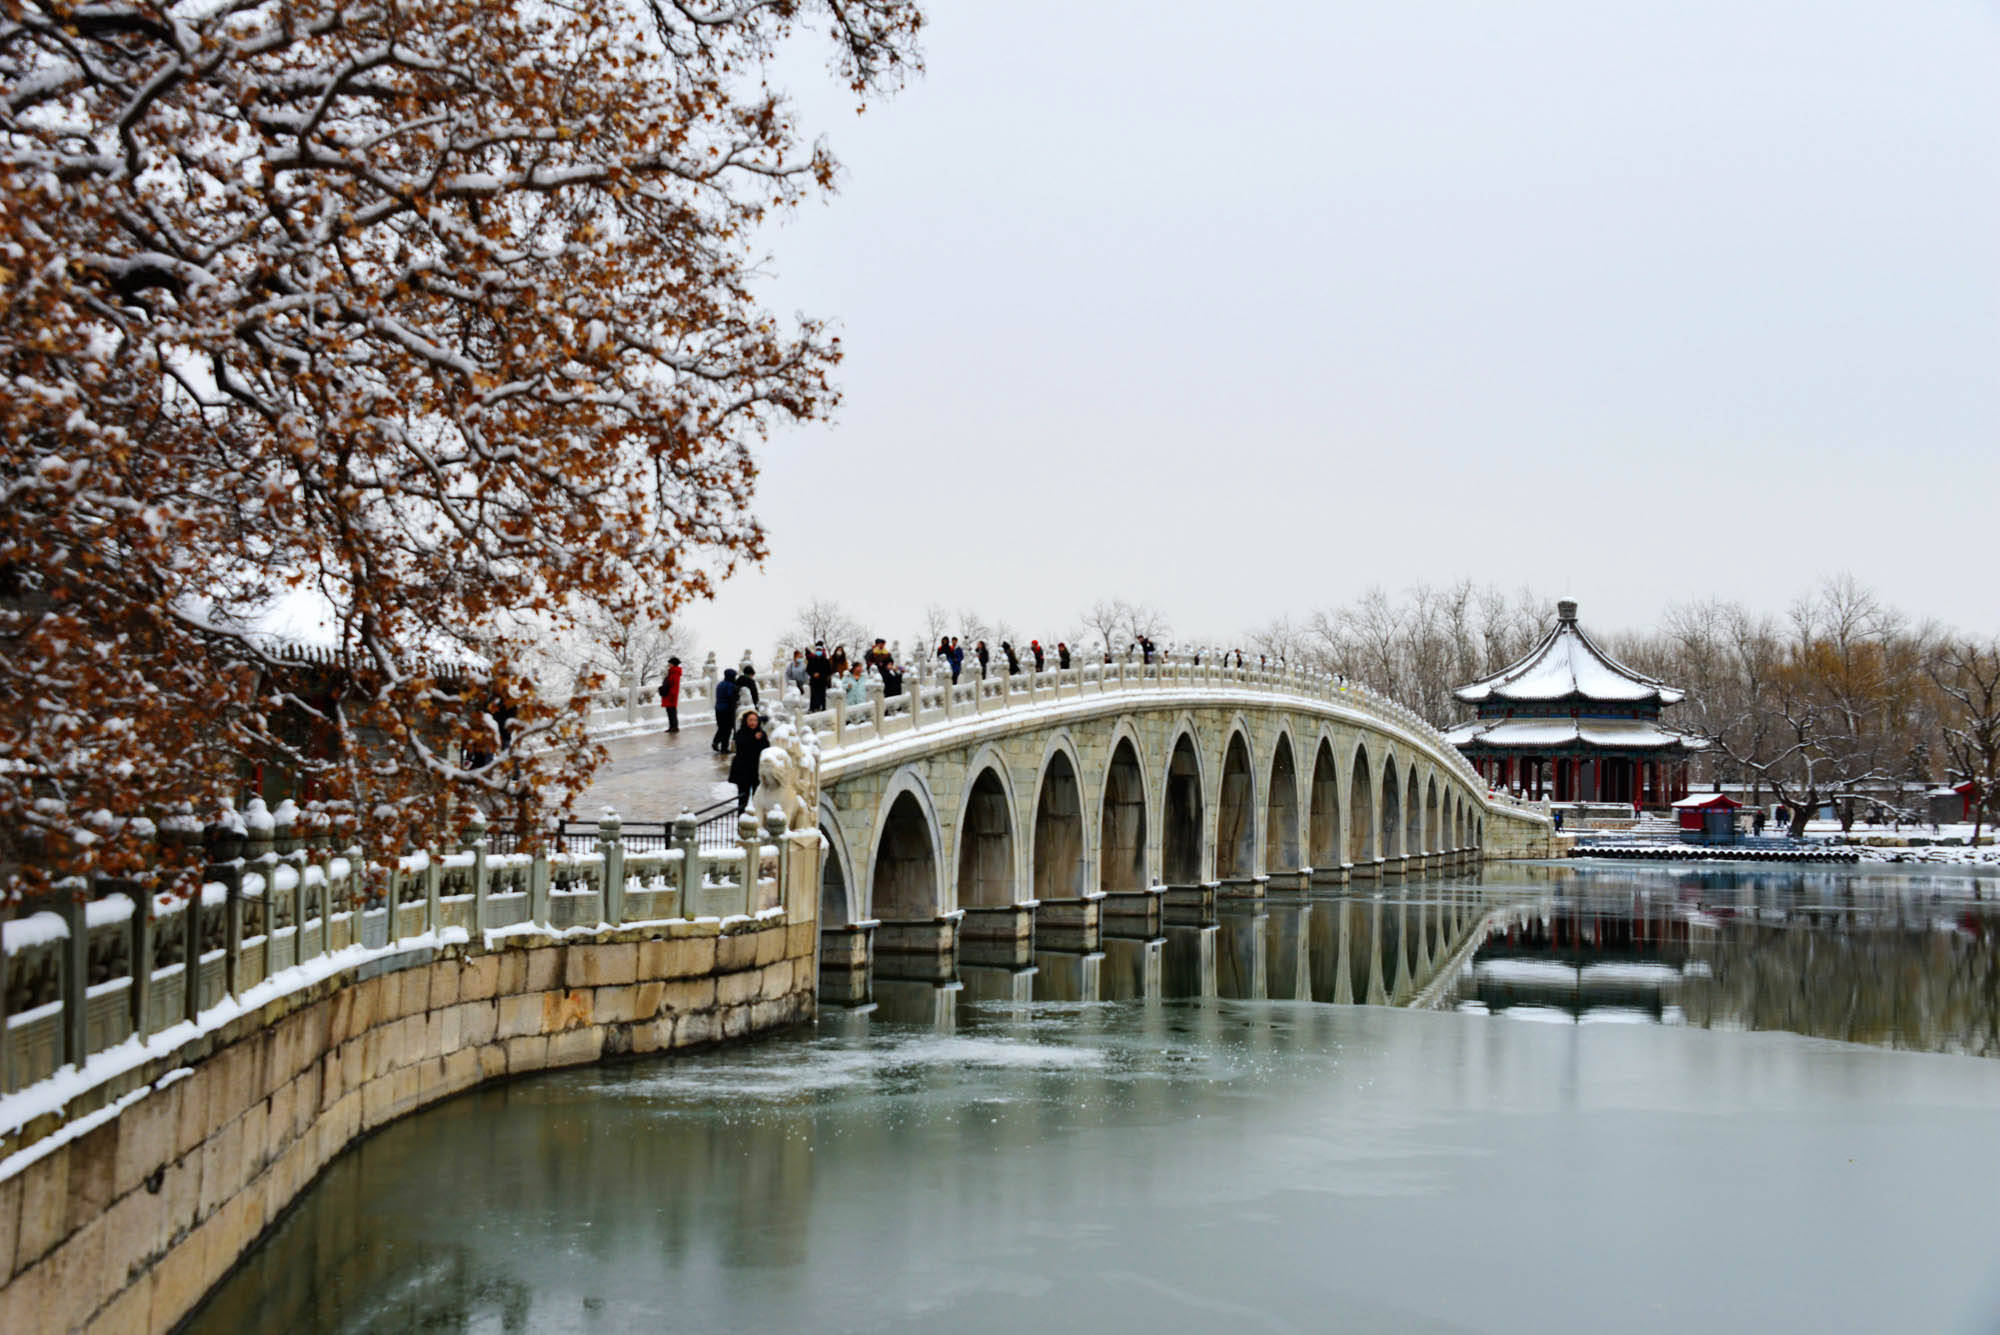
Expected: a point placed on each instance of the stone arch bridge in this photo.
(1041, 810)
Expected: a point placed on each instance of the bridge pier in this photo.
(1191, 905)
(1327, 878)
(1003, 936)
(1138, 913)
(846, 959)
(918, 949)
(1242, 887)
(1070, 924)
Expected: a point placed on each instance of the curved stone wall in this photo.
(122, 1219)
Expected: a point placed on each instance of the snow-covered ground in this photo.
(1891, 843)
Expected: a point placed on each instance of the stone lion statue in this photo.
(788, 780)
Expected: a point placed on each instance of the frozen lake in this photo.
(1194, 1163)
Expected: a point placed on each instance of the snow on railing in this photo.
(932, 703)
(113, 961)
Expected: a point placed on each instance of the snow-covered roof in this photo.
(1708, 800)
(1567, 664)
(302, 622)
(1613, 734)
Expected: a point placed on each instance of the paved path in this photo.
(657, 775)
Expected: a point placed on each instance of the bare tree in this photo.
(1968, 675)
(820, 621)
(1104, 618)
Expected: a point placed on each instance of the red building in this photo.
(1571, 723)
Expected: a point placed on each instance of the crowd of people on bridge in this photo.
(821, 674)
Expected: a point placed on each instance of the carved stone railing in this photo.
(112, 962)
(937, 702)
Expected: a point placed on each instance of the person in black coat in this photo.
(725, 710)
(892, 681)
(1062, 656)
(819, 674)
(750, 744)
(1013, 659)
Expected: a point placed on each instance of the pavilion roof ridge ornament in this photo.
(1566, 664)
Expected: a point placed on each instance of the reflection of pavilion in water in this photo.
(1904, 961)
(1400, 946)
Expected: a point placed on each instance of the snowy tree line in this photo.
(1840, 698)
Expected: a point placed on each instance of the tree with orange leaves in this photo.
(424, 313)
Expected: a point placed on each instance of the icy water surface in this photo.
(1207, 1163)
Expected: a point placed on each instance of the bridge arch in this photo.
(1413, 816)
(1236, 809)
(1124, 821)
(905, 882)
(1391, 845)
(989, 856)
(1061, 851)
(1433, 816)
(1363, 846)
(1184, 802)
(1326, 840)
(836, 876)
(1282, 851)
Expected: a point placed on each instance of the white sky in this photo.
(1242, 308)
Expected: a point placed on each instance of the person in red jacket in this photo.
(670, 695)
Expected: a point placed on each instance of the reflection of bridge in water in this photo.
(1398, 946)
(1864, 955)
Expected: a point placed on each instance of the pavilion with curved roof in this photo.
(1571, 723)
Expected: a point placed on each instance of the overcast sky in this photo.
(1242, 308)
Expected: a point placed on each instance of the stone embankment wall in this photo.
(125, 1225)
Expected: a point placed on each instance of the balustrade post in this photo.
(611, 843)
(232, 924)
(75, 979)
(750, 838)
(915, 690)
(775, 831)
(191, 949)
(142, 960)
(950, 704)
(839, 700)
(630, 681)
(875, 706)
(474, 839)
(538, 888)
(433, 884)
(690, 851)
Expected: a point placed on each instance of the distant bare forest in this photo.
(1840, 692)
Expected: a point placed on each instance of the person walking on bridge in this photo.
(1062, 655)
(670, 695)
(1013, 659)
(1035, 649)
(892, 681)
(750, 743)
(981, 652)
(795, 672)
(819, 675)
(726, 692)
(856, 693)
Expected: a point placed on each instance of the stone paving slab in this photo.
(657, 775)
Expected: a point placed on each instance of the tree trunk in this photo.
(1801, 813)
